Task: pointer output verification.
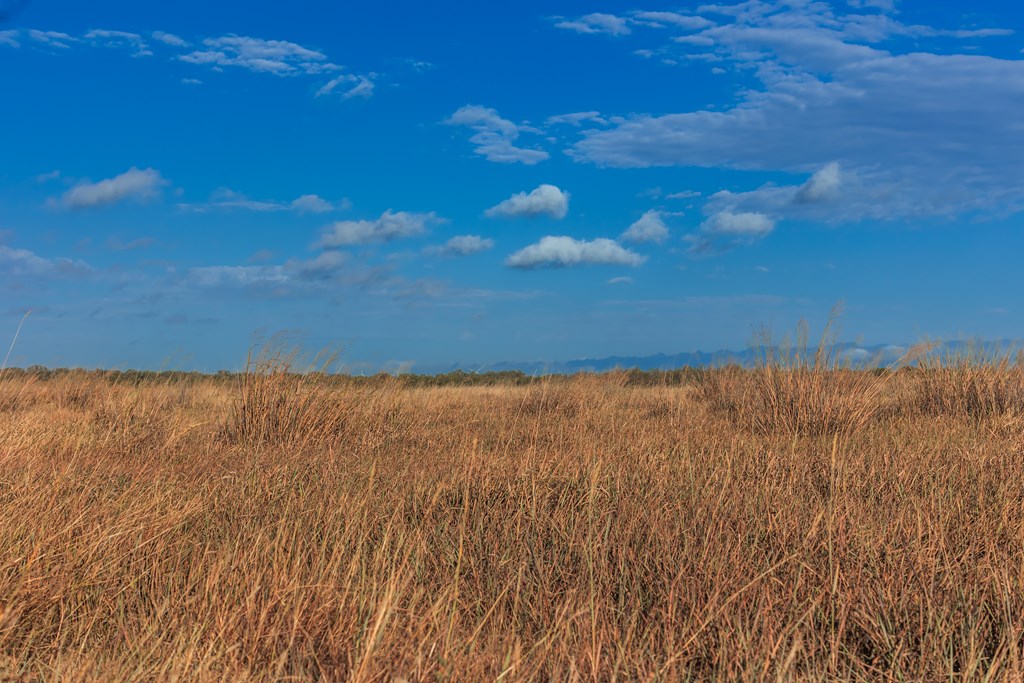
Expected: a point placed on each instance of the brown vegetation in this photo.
(796, 523)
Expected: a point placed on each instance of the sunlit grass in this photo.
(803, 522)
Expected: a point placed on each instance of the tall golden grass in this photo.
(801, 522)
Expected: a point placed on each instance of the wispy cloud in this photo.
(685, 194)
(546, 200)
(597, 22)
(495, 136)
(114, 244)
(229, 52)
(562, 251)
(119, 39)
(228, 199)
(389, 227)
(354, 86)
(672, 19)
(279, 57)
(577, 119)
(55, 39)
(134, 184)
(25, 263)
(169, 39)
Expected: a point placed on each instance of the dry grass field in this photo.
(800, 523)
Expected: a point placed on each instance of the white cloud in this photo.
(546, 200)
(278, 57)
(463, 245)
(598, 22)
(648, 228)
(557, 252)
(324, 266)
(684, 21)
(823, 185)
(741, 225)
(621, 281)
(134, 184)
(834, 87)
(52, 38)
(363, 87)
(24, 263)
(120, 39)
(218, 276)
(226, 198)
(495, 136)
(311, 203)
(169, 39)
(577, 118)
(389, 227)
(816, 199)
(685, 194)
(725, 229)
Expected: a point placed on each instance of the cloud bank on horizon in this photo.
(279, 170)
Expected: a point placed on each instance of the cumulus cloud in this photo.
(726, 229)
(495, 136)
(815, 199)
(562, 251)
(463, 245)
(833, 87)
(648, 228)
(389, 227)
(546, 200)
(134, 184)
(743, 225)
(311, 203)
(823, 185)
(598, 22)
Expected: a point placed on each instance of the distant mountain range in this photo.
(856, 354)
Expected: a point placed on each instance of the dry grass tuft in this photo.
(280, 404)
(797, 389)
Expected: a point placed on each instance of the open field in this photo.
(755, 525)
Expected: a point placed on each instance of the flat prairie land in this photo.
(772, 524)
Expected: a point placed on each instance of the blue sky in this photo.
(422, 184)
